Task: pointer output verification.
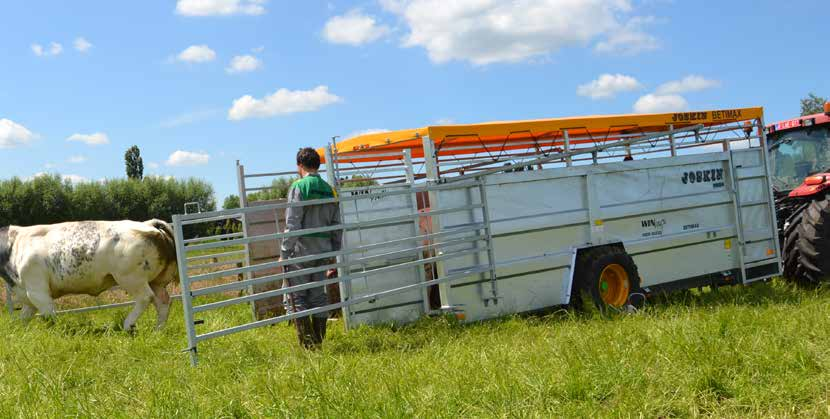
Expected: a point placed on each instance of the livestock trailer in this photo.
(486, 220)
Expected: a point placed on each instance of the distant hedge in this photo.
(48, 199)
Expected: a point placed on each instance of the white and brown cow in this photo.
(45, 262)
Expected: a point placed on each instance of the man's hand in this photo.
(331, 273)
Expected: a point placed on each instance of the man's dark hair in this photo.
(308, 158)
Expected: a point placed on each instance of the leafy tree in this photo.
(812, 104)
(358, 181)
(134, 163)
(278, 190)
(47, 199)
(231, 202)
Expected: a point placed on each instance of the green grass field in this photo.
(738, 352)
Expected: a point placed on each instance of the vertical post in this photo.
(187, 297)
(345, 286)
(431, 168)
(735, 195)
(9, 300)
(420, 272)
(240, 183)
(568, 161)
(243, 203)
(762, 142)
(672, 144)
(491, 258)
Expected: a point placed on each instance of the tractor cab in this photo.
(800, 154)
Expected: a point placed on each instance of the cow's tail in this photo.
(168, 243)
(163, 227)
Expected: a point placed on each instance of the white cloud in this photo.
(190, 118)
(54, 49)
(74, 178)
(97, 138)
(244, 64)
(354, 28)
(394, 6)
(491, 31)
(82, 45)
(691, 83)
(282, 102)
(152, 165)
(70, 178)
(163, 177)
(654, 103)
(13, 134)
(365, 132)
(77, 159)
(220, 7)
(629, 39)
(607, 86)
(197, 54)
(187, 158)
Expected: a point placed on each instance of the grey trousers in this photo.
(308, 298)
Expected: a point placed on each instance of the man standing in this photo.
(310, 187)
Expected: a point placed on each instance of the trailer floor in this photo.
(758, 351)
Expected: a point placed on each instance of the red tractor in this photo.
(800, 159)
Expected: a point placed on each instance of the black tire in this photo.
(590, 266)
(789, 249)
(813, 242)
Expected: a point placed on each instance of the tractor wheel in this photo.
(813, 242)
(609, 275)
(789, 247)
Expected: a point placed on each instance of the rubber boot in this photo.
(319, 331)
(305, 334)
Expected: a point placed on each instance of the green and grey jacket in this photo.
(311, 216)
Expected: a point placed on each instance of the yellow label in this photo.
(727, 244)
(598, 222)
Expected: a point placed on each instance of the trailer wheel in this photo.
(609, 275)
(813, 243)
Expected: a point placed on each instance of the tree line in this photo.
(48, 199)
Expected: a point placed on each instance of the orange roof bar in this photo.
(514, 135)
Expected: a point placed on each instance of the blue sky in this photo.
(163, 74)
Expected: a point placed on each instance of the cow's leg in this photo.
(27, 309)
(142, 294)
(27, 312)
(36, 284)
(161, 299)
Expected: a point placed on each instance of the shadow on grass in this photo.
(774, 292)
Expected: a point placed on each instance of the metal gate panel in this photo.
(400, 308)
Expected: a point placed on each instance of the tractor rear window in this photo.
(798, 154)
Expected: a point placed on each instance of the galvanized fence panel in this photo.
(388, 251)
